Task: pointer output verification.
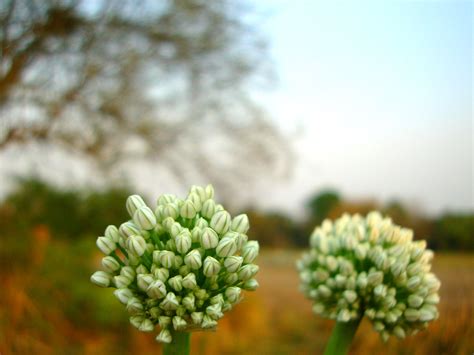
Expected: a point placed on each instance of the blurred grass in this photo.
(48, 306)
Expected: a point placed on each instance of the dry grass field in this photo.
(276, 319)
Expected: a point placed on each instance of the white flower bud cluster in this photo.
(181, 266)
(370, 267)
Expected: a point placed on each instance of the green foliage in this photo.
(454, 232)
(321, 205)
(65, 213)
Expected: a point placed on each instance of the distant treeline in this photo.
(70, 214)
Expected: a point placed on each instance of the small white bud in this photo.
(208, 208)
(233, 294)
(214, 311)
(412, 315)
(246, 272)
(144, 218)
(240, 224)
(188, 302)
(106, 245)
(128, 229)
(189, 281)
(176, 282)
(193, 259)
(134, 202)
(144, 280)
(123, 295)
(134, 306)
(209, 191)
(220, 222)
(112, 233)
(122, 281)
(413, 282)
(226, 247)
(179, 323)
(164, 321)
(209, 239)
(250, 285)
(156, 289)
(208, 322)
(211, 266)
(197, 317)
(161, 274)
(101, 278)
(233, 263)
(324, 291)
(231, 278)
(344, 316)
(350, 296)
(196, 200)
(375, 278)
(170, 302)
(164, 337)
(110, 264)
(167, 259)
(399, 332)
(136, 245)
(250, 251)
(188, 210)
(183, 241)
(415, 301)
(200, 191)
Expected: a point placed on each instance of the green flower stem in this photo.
(180, 344)
(341, 337)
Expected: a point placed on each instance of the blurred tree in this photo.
(454, 232)
(126, 79)
(321, 205)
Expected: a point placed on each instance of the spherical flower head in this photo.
(178, 265)
(370, 267)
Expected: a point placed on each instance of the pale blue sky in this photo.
(378, 95)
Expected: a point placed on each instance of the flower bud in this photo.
(101, 278)
(189, 281)
(250, 285)
(133, 203)
(134, 306)
(233, 263)
(208, 208)
(220, 222)
(233, 294)
(199, 191)
(415, 301)
(123, 295)
(197, 317)
(209, 239)
(128, 229)
(226, 247)
(412, 315)
(196, 201)
(208, 322)
(170, 302)
(350, 296)
(193, 259)
(215, 311)
(179, 323)
(246, 272)
(106, 245)
(188, 210)
(167, 258)
(136, 245)
(188, 302)
(144, 218)
(176, 282)
(250, 251)
(144, 280)
(164, 337)
(112, 233)
(122, 281)
(164, 321)
(375, 278)
(231, 278)
(161, 274)
(156, 289)
(211, 266)
(110, 264)
(240, 224)
(183, 242)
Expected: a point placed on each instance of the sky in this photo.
(377, 97)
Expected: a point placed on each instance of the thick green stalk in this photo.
(180, 344)
(341, 337)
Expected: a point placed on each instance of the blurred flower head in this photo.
(181, 266)
(370, 267)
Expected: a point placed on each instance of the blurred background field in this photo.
(48, 305)
(295, 111)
